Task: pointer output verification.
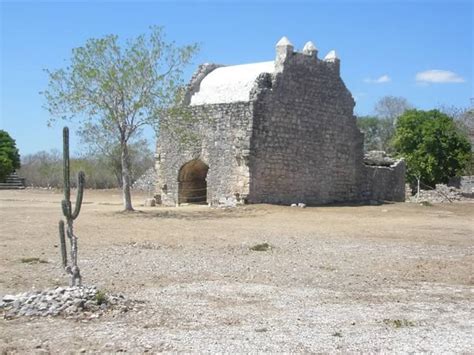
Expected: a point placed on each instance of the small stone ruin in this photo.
(281, 131)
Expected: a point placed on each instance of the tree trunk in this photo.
(418, 188)
(127, 198)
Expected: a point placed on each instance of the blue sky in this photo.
(421, 50)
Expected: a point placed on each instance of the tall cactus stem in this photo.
(67, 187)
(80, 193)
(62, 239)
(66, 228)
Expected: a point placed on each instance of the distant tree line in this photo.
(44, 169)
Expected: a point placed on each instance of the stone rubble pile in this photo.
(442, 193)
(300, 205)
(66, 301)
(146, 182)
(378, 158)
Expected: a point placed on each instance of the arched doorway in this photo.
(192, 184)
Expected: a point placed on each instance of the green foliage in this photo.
(464, 120)
(9, 155)
(432, 146)
(101, 297)
(378, 133)
(6, 166)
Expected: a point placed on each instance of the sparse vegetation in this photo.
(43, 169)
(33, 260)
(261, 247)
(101, 297)
(398, 323)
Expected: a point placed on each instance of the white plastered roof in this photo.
(230, 84)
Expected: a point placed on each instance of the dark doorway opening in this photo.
(192, 184)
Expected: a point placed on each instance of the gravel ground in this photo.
(388, 278)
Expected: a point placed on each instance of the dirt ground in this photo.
(387, 278)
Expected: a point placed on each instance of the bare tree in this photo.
(391, 107)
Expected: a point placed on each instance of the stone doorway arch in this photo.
(192, 184)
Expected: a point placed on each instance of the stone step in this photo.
(13, 181)
(11, 187)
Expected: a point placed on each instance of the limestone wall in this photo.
(384, 183)
(305, 144)
(222, 142)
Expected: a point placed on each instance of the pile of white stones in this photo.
(66, 301)
(442, 193)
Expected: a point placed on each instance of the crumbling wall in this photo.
(463, 183)
(384, 183)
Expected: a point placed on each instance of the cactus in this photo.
(67, 229)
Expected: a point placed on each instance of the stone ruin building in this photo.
(277, 132)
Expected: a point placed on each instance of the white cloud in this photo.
(438, 76)
(380, 80)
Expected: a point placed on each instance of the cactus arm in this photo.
(62, 239)
(67, 187)
(80, 194)
(66, 207)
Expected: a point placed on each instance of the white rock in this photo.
(284, 42)
(331, 56)
(9, 298)
(309, 48)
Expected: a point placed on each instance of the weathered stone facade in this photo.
(274, 132)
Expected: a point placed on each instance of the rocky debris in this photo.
(150, 202)
(146, 182)
(70, 302)
(225, 202)
(463, 183)
(378, 158)
(300, 205)
(442, 193)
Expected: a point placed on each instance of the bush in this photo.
(9, 156)
(432, 146)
